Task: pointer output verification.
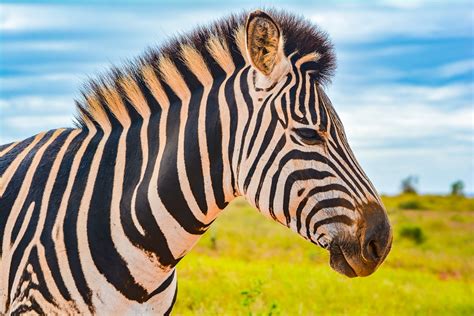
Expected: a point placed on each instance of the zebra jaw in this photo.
(338, 259)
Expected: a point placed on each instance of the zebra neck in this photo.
(165, 176)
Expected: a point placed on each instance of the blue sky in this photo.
(404, 87)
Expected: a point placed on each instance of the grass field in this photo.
(248, 265)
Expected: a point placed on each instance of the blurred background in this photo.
(404, 90)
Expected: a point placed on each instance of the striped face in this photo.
(300, 170)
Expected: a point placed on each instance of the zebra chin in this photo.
(348, 259)
(361, 254)
(353, 265)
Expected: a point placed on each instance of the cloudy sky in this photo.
(404, 85)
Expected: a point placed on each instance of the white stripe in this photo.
(57, 233)
(40, 225)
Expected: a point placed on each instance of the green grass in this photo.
(429, 202)
(248, 265)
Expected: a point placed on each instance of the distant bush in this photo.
(409, 185)
(457, 188)
(429, 202)
(410, 205)
(413, 233)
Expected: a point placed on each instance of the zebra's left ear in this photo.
(264, 42)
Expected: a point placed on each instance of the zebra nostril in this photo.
(373, 250)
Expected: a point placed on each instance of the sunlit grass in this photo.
(248, 265)
(429, 202)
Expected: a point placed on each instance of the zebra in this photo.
(95, 218)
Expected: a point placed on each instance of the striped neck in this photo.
(179, 126)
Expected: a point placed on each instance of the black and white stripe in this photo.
(94, 219)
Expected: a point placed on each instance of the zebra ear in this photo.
(262, 39)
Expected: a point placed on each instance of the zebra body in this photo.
(94, 219)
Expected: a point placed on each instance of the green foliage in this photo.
(262, 268)
(457, 188)
(251, 295)
(411, 205)
(409, 185)
(414, 233)
(429, 202)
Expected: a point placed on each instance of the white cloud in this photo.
(393, 127)
(345, 22)
(380, 116)
(27, 17)
(456, 68)
(24, 116)
(43, 46)
(36, 103)
(365, 23)
(38, 123)
(383, 125)
(143, 17)
(24, 82)
(402, 95)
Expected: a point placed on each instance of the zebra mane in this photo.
(190, 60)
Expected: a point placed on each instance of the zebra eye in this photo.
(309, 136)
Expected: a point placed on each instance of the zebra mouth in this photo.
(339, 262)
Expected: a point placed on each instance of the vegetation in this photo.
(248, 265)
(457, 188)
(412, 232)
(409, 185)
(439, 203)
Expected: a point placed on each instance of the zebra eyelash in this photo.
(309, 136)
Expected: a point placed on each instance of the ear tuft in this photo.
(262, 40)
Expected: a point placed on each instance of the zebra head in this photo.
(298, 167)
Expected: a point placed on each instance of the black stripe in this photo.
(104, 254)
(234, 116)
(279, 146)
(299, 175)
(249, 104)
(41, 286)
(52, 212)
(34, 195)
(344, 219)
(38, 181)
(269, 102)
(337, 129)
(70, 220)
(192, 155)
(325, 204)
(296, 155)
(359, 191)
(312, 101)
(163, 286)
(311, 193)
(258, 125)
(214, 141)
(11, 191)
(154, 240)
(356, 171)
(323, 119)
(8, 158)
(262, 148)
(173, 301)
(302, 96)
(169, 187)
(5, 146)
